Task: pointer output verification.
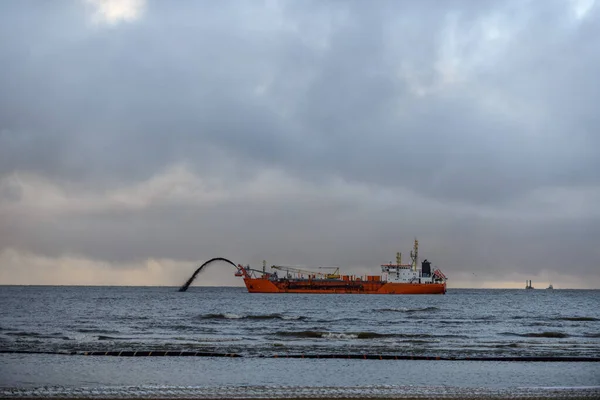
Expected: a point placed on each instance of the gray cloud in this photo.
(468, 106)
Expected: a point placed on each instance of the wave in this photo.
(476, 320)
(221, 316)
(105, 331)
(577, 319)
(592, 335)
(181, 328)
(406, 310)
(555, 318)
(132, 317)
(3, 328)
(253, 316)
(361, 335)
(342, 319)
(302, 334)
(507, 345)
(332, 335)
(104, 337)
(195, 329)
(39, 335)
(420, 341)
(558, 335)
(339, 335)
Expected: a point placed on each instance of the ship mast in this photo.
(414, 255)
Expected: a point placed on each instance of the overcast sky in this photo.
(141, 138)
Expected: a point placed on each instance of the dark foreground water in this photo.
(463, 323)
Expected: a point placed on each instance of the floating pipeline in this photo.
(170, 353)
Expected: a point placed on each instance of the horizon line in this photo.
(243, 287)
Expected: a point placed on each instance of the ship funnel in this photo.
(426, 268)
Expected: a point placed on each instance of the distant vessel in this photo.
(528, 285)
(550, 287)
(395, 279)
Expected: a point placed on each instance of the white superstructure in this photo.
(411, 273)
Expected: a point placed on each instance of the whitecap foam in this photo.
(337, 335)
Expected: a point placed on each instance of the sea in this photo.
(223, 342)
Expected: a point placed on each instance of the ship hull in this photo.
(261, 285)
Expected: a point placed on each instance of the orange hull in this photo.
(262, 285)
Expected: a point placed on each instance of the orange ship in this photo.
(395, 279)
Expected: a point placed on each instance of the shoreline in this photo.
(299, 393)
(329, 356)
(541, 396)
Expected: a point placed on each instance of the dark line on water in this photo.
(557, 335)
(187, 284)
(171, 353)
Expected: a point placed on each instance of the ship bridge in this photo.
(411, 273)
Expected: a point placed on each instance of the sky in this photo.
(140, 138)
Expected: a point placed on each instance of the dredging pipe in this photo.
(187, 284)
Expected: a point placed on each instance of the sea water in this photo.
(265, 328)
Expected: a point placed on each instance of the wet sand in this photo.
(578, 396)
(303, 393)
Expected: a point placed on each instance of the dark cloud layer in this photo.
(469, 105)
